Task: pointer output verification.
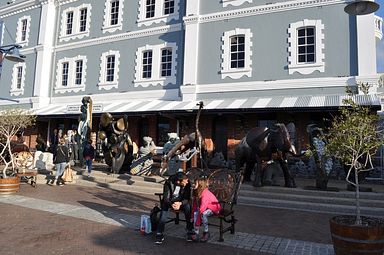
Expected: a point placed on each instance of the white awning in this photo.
(277, 102)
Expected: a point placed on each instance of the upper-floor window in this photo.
(306, 46)
(236, 54)
(79, 72)
(113, 15)
(166, 62)
(169, 7)
(109, 70)
(23, 30)
(156, 64)
(147, 64)
(64, 73)
(71, 74)
(75, 22)
(156, 11)
(69, 23)
(83, 19)
(234, 2)
(18, 79)
(150, 8)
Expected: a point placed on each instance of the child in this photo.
(205, 204)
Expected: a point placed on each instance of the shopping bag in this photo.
(68, 174)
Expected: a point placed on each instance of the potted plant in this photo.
(354, 137)
(12, 121)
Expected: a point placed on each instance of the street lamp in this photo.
(12, 53)
(362, 7)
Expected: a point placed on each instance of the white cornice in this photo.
(17, 8)
(261, 9)
(120, 37)
(278, 84)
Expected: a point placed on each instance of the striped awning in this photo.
(321, 101)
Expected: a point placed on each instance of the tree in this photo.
(12, 121)
(354, 137)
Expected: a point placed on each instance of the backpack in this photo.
(155, 217)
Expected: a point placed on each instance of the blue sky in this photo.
(380, 48)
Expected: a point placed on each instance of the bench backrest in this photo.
(225, 184)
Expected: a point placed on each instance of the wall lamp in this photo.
(362, 7)
(12, 53)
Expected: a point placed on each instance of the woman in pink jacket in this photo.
(205, 204)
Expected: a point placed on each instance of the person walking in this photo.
(89, 155)
(176, 195)
(61, 159)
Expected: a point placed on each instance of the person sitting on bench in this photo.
(176, 196)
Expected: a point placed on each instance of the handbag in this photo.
(68, 174)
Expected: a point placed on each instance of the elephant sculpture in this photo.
(117, 146)
(259, 144)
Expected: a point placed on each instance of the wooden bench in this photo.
(225, 184)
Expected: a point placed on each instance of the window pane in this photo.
(79, 72)
(110, 68)
(166, 62)
(24, 30)
(301, 32)
(311, 40)
(311, 58)
(301, 49)
(306, 45)
(237, 51)
(19, 77)
(310, 31)
(301, 41)
(301, 58)
(64, 74)
(150, 9)
(169, 7)
(83, 20)
(147, 64)
(69, 23)
(114, 12)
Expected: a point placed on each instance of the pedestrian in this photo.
(176, 196)
(89, 155)
(75, 145)
(205, 204)
(40, 143)
(53, 141)
(61, 159)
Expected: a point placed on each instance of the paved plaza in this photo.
(74, 219)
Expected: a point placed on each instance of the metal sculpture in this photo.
(117, 146)
(85, 125)
(188, 146)
(258, 145)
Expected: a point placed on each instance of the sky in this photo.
(380, 47)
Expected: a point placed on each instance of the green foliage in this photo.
(354, 135)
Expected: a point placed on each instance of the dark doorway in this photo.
(220, 134)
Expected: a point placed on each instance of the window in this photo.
(234, 2)
(83, 20)
(109, 70)
(306, 46)
(150, 9)
(79, 72)
(169, 7)
(71, 74)
(69, 23)
(114, 12)
(156, 64)
(156, 11)
(113, 16)
(18, 79)
(23, 28)
(237, 51)
(75, 22)
(166, 62)
(65, 70)
(236, 56)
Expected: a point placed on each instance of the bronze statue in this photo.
(117, 145)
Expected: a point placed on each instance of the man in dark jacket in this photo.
(176, 196)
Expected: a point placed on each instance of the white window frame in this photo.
(306, 68)
(156, 77)
(234, 2)
(103, 83)
(71, 86)
(226, 70)
(14, 90)
(107, 27)
(76, 34)
(159, 13)
(19, 31)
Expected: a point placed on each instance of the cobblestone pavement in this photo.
(78, 220)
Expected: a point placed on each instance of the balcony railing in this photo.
(378, 27)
